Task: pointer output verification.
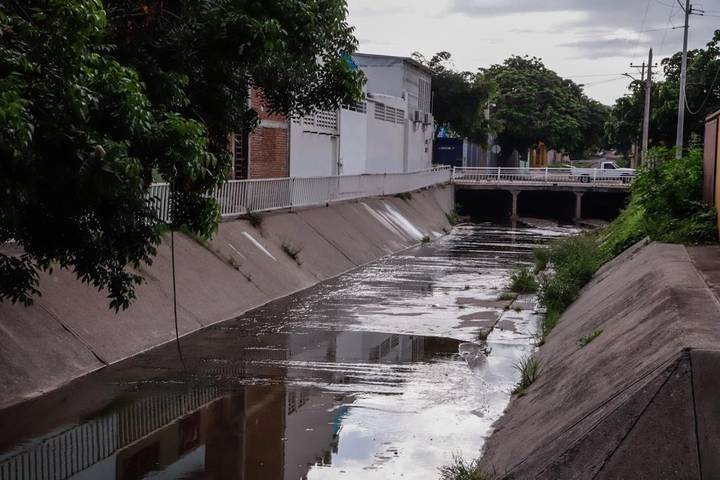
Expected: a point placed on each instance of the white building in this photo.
(390, 131)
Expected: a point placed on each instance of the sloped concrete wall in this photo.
(582, 416)
(70, 331)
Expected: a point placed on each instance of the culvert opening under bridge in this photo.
(604, 205)
(497, 204)
(484, 204)
(547, 204)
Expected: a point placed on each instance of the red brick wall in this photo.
(269, 155)
(258, 103)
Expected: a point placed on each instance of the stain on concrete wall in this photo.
(70, 331)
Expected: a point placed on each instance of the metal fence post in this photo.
(292, 192)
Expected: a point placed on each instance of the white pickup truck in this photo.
(607, 171)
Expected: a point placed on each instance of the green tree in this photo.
(460, 99)
(703, 98)
(534, 105)
(97, 100)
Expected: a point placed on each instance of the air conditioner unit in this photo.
(427, 119)
(417, 116)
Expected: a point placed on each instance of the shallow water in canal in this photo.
(381, 373)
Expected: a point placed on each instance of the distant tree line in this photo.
(533, 104)
(529, 104)
(703, 97)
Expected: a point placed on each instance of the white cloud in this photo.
(576, 38)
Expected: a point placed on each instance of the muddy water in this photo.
(381, 373)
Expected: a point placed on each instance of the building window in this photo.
(323, 122)
(389, 114)
(360, 107)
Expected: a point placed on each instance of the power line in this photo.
(689, 10)
(639, 32)
(707, 97)
(594, 75)
(604, 81)
(672, 12)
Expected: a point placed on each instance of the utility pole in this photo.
(689, 10)
(647, 80)
(646, 116)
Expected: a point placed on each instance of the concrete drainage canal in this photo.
(385, 372)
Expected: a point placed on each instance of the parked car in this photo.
(607, 171)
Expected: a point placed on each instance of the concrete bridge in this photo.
(545, 190)
(502, 192)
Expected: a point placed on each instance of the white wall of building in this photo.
(380, 135)
(384, 74)
(398, 77)
(314, 145)
(386, 134)
(419, 139)
(353, 140)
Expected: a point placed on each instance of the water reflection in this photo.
(358, 378)
(277, 429)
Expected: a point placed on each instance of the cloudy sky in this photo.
(591, 41)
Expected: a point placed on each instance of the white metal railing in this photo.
(532, 176)
(63, 454)
(238, 197)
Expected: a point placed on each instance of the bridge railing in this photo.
(527, 176)
(238, 197)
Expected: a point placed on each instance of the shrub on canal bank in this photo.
(666, 205)
(529, 368)
(587, 339)
(254, 218)
(459, 469)
(291, 251)
(574, 261)
(523, 281)
(507, 297)
(453, 217)
(541, 259)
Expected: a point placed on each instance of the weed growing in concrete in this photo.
(254, 218)
(291, 251)
(453, 217)
(530, 369)
(574, 260)
(459, 469)
(507, 297)
(234, 262)
(523, 281)
(199, 239)
(425, 239)
(517, 309)
(542, 258)
(585, 341)
(407, 196)
(549, 322)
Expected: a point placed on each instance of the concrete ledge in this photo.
(621, 407)
(70, 331)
